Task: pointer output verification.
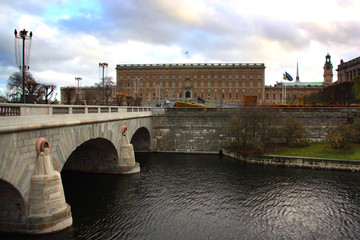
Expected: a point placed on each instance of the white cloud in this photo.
(67, 45)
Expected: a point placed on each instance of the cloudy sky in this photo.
(71, 37)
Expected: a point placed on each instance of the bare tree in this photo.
(47, 92)
(15, 86)
(106, 89)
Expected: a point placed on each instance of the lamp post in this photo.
(22, 35)
(103, 66)
(78, 92)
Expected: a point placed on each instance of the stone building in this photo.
(221, 82)
(347, 71)
(291, 92)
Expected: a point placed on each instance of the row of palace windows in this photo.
(195, 76)
(252, 83)
(203, 95)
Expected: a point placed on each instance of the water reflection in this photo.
(207, 197)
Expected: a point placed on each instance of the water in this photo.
(208, 197)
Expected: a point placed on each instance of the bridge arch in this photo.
(93, 155)
(12, 206)
(141, 140)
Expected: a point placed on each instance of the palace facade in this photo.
(221, 82)
(347, 71)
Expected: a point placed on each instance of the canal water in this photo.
(179, 196)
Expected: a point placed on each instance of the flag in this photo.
(287, 76)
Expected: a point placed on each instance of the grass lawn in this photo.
(321, 150)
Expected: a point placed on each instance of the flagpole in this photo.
(285, 93)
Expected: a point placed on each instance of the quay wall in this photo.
(297, 161)
(202, 130)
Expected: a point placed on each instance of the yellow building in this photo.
(221, 82)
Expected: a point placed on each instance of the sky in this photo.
(71, 37)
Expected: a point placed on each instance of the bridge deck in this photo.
(19, 117)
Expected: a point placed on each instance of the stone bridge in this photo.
(38, 141)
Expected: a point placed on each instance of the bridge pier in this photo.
(126, 156)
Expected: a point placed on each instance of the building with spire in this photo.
(291, 92)
(328, 70)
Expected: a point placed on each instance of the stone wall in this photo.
(203, 130)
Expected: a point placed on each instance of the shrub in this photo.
(340, 135)
(292, 132)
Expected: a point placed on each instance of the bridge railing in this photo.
(12, 115)
(9, 110)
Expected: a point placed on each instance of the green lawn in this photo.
(321, 150)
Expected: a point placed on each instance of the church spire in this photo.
(297, 72)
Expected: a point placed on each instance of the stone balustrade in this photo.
(16, 117)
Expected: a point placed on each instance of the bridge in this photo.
(39, 141)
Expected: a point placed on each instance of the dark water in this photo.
(208, 197)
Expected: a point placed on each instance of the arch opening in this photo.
(94, 155)
(12, 208)
(141, 140)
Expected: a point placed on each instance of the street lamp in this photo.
(103, 66)
(79, 90)
(22, 35)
